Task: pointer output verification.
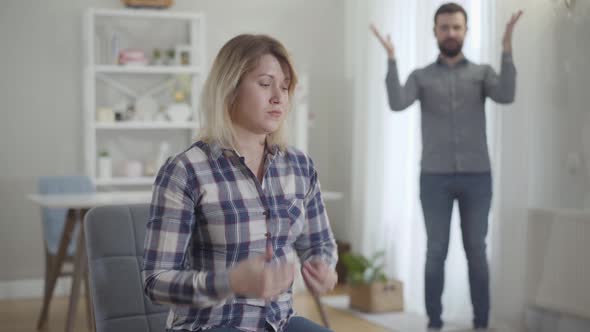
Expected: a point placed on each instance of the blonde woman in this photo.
(228, 212)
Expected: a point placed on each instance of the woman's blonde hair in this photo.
(238, 57)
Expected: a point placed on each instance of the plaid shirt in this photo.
(210, 212)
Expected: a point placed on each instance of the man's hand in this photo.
(254, 277)
(386, 42)
(318, 276)
(507, 40)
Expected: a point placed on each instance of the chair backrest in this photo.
(54, 218)
(114, 242)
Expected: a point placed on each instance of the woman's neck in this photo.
(250, 145)
(252, 148)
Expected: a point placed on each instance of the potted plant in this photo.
(105, 165)
(170, 53)
(180, 110)
(369, 288)
(157, 57)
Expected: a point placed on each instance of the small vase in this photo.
(178, 112)
(105, 167)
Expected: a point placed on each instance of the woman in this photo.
(230, 212)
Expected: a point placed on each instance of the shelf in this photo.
(145, 125)
(123, 181)
(106, 32)
(115, 69)
(145, 13)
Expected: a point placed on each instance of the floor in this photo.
(21, 316)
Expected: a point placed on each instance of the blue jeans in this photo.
(438, 192)
(295, 324)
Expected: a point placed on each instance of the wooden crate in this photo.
(377, 297)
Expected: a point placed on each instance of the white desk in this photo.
(78, 205)
(88, 201)
(331, 195)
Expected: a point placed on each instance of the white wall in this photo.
(40, 99)
(551, 48)
(558, 104)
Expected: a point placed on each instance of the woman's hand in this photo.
(318, 276)
(254, 277)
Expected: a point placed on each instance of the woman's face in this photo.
(262, 98)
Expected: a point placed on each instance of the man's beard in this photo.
(450, 51)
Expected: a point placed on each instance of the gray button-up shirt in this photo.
(452, 100)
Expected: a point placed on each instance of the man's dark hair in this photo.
(450, 8)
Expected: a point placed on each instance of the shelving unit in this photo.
(129, 125)
(112, 69)
(107, 84)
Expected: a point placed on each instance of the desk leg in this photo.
(57, 265)
(80, 267)
(320, 306)
(89, 311)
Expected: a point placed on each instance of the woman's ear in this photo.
(231, 98)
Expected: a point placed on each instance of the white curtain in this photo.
(386, 210)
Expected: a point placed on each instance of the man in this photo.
(455, 162)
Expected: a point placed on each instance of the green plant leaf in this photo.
(362, 270)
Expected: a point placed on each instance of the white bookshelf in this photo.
(128, 138)
(131, 125)
(146, 13)
(106, 83)
(114, 69)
